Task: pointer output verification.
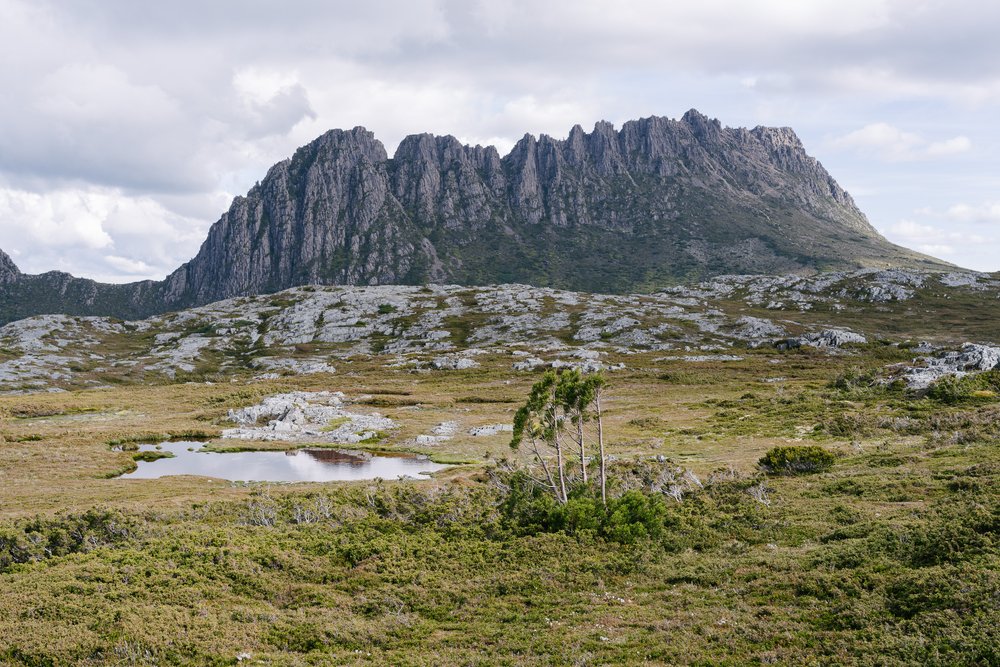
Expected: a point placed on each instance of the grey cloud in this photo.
(263, 28)
(281, 113)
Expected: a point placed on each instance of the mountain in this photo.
(655, 203)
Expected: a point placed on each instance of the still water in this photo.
(303, 465)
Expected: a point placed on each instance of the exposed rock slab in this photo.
(305, 417)
(971, 358)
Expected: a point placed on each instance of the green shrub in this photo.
(845, 426)
(633, 517)
(952, 389)
(855, 380)
(911, 593)
(33, 540)
(949, 389)
(955, 532)
(530, 509)
(795, 460)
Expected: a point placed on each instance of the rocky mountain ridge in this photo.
(655, 203)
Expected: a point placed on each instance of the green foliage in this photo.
(202, 329)
(554, 402)
(949, 389)
(856, 383)
(40, 539)
(529, 509)
(953, 390)
(854, 378)
(959, 531)
(796, 459)
(391, 573)
(551, 399)
(151, 455)
(634, 516)
(537, 417)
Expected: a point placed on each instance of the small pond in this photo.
(302, 465)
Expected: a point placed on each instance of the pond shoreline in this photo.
(294, 464)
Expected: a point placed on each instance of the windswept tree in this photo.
(539, 421)
(556, 402)
(573, 395)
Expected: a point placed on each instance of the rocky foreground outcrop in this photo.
(305, 416)
(454, 329)
(654, 203)
(970, 358)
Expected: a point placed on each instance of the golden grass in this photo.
(57, 452)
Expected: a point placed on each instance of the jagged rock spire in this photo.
(651, 203)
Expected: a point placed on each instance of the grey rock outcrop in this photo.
(834, 338)
(9, 272)
(305, 416)
(448, 328)
(490, 430)
(454, 363)
(970, 358)
(829, 338)
(756, 328)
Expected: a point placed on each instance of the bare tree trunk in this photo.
(545, 468)
(562, 468)
(600, 443)
(560, 463)
(579, 439)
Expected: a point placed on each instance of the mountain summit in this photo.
(657, 202)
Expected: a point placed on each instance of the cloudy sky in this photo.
(127, 127)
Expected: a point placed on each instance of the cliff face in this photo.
(324, 216)
(654, 203)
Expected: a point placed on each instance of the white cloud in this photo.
(129, 267)
(58, 219)
(913, 230)
(891, 144)
(102, 93)
(981, 213)
(931, 234)
(941, 238)
(272, 101)
(95, 232)
(936, 249)
(948, 147)
(987, 212)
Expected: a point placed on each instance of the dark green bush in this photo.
(952, 389)
(39, 539)
(916, 592)
(955, 532)
(530, 509)
(633, 517)
(794, 460)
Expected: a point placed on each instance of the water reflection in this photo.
(304, 465)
